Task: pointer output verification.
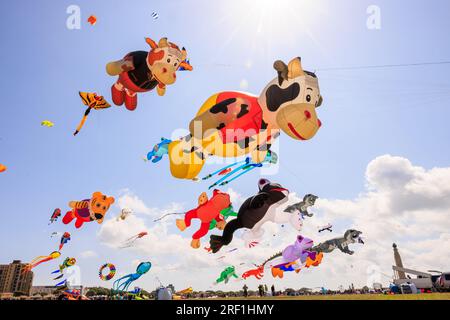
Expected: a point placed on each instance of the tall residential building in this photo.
(12, 279)
(398, 262)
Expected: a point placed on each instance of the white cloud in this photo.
(88, 254)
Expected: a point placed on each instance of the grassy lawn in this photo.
(423, 296)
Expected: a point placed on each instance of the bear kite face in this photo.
(99, 205)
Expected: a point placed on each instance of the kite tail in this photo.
(83, 120)
(276, 255)
(216, 242)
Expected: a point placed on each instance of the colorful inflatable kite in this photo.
(55, 215)
(159, 150)
(350, 236)
(88, 210)
(122, 284)
(47, 123)
(142, 71)
(67, 263)
(92, 101)
(124, 214)
(294, 257)
(207, 211)
(111, 271)
(92, 20)
(226, 275)
(2, 168)
(64, 239)
(254, 212)
(130, 241)
(225, 213)
(258, 273)
(302, 207)
(185, 291)
(41, 259)
(233, 124)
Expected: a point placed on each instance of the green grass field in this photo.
(423, 296)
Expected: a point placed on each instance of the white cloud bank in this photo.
(402, 203)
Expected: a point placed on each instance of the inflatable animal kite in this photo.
(142, 71)
(207, 211)
(225, 213)
(122, 284)
(67, 263)
(159, 150)
(234, 124)
(226, 275)
(87, 210)
(294, 257)
(308, 201)
(258, 273)
(350, 236)
(2, 167)
(256, 211)
(124, 213)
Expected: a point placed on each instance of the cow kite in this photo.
(142, 71)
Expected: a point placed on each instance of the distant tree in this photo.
(19, 294)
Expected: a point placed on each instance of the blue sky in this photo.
(366, 113)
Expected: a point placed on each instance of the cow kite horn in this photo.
(163, 43)
(295, 68)
(151, 43)
(183, 54)
(282, 70)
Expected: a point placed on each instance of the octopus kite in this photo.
(122, 284)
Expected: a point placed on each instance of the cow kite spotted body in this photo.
(234, 124)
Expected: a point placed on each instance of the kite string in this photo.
(385, 66)
(167, 214)
(413, 64)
